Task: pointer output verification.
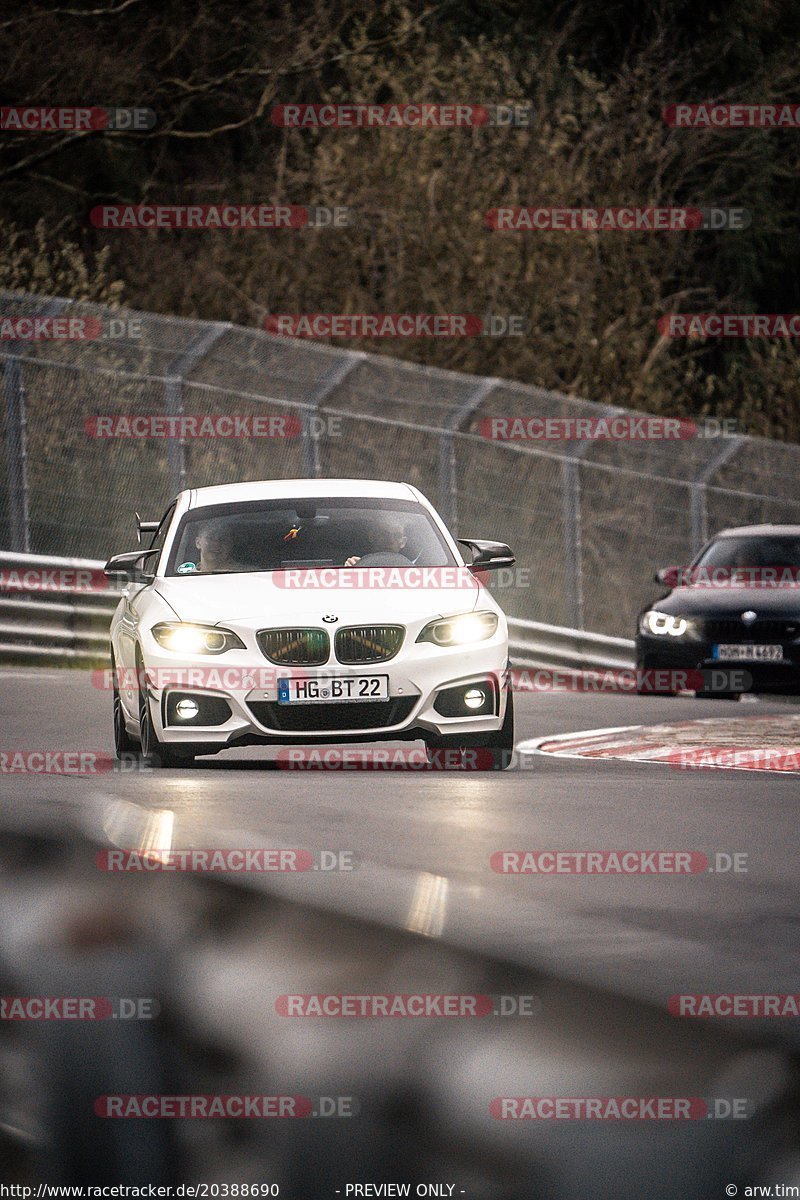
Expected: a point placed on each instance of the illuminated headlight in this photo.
(183, 638)
(665, 625)
(461, 630)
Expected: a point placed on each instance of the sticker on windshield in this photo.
(186, 568)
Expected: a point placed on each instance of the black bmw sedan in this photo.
(733, 613)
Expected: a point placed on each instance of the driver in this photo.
(215, 550)
(390, 537)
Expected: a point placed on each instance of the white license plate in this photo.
(748, 653)
(332, 689)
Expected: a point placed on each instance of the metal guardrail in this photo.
(43, 619)
(534, 644)
(42, 623)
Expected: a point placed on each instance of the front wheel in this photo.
(477, 751)
(155, 752)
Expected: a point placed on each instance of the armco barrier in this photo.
(71, 627)
(43, 620)
(534, 644)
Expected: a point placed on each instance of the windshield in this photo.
(753, 552)
(280, 534)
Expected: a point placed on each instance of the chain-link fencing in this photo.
(589, 520)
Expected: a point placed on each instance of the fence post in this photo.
(17, 455)
(573, 550)
(173, 397)
(330, 380)
(699, 490)
(572, 518)
(448, 476)
(17, 436)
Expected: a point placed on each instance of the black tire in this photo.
(124, 744)
(479, 752)
(155, 752)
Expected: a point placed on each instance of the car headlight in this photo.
(184, 638)
(665, 625)
(460, 630)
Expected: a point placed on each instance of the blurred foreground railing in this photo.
(406, 1100)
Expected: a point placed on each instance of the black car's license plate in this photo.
(747, 652)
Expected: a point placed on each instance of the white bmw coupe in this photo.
(308, 611)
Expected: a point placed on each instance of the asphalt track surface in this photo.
(421, 842)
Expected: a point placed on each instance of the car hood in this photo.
(731, 601)
(256, 600)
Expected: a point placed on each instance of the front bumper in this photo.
(416, 678)
(677, 654)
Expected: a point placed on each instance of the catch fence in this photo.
(589, 520)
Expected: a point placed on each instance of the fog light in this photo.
(474, 698)
(187, 710)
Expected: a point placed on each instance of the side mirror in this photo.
(488, 556)
(131, 565)
(669, 576)
(144, 527)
